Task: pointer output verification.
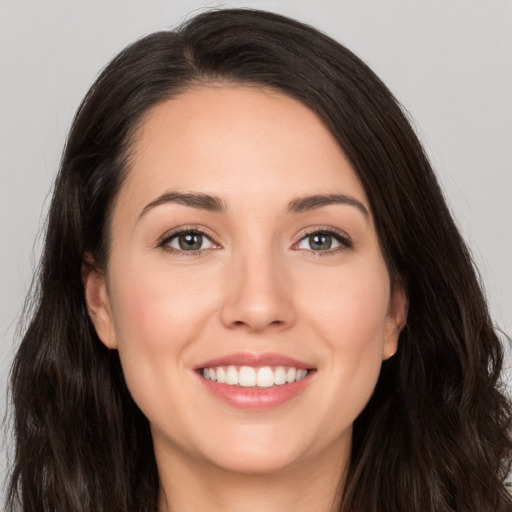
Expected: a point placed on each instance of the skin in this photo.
(259, 286)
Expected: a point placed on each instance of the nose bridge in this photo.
(258, 295)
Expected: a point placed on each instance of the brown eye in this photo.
(189, 241)
(320, 241)
(324, 241)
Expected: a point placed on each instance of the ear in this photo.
(396, 320)
(98, 304)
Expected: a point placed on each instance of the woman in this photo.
(252, 295)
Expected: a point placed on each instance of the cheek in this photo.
(157, 315)
(349, 316)
(351, 308)
(157, 309)
(353, 329)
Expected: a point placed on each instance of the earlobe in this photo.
(396, 321)
(98, 304)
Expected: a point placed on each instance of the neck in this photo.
(188, 485)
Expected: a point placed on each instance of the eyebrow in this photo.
(215, 204)
(192, 199)
(307, 203)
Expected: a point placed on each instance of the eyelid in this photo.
(186, 228)
(341, 236)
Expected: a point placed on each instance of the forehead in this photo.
(236, 141)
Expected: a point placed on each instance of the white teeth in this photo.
(221, 375)
(280, 376)
(265, 377)
(232, 376)
(247, 376)
(291, 374)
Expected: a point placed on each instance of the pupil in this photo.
(190, 241)
(320, 242)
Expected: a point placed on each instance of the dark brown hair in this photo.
(435, 435)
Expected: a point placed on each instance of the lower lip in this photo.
(254, 398)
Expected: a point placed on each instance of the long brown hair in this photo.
(435, 435)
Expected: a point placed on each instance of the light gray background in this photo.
(449, 63)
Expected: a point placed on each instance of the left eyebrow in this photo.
(192, 199)
(307, 203)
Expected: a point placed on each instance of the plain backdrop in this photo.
(448, 63)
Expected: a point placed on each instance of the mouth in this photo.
(259, 377)
(255, 381)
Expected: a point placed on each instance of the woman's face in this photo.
(243, 248)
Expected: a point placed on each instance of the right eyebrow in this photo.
(307, 203)
(192, 199)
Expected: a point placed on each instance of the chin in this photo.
(255, 462)
(259, 451)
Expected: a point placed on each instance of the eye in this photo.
(187, 241)
(323, 241)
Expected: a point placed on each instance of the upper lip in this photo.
(254, 360)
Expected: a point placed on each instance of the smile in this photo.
(247, 376)
(255, 382)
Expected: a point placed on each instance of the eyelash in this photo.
(341, 237)
(184, 230)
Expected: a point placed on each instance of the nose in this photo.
(259, 295)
